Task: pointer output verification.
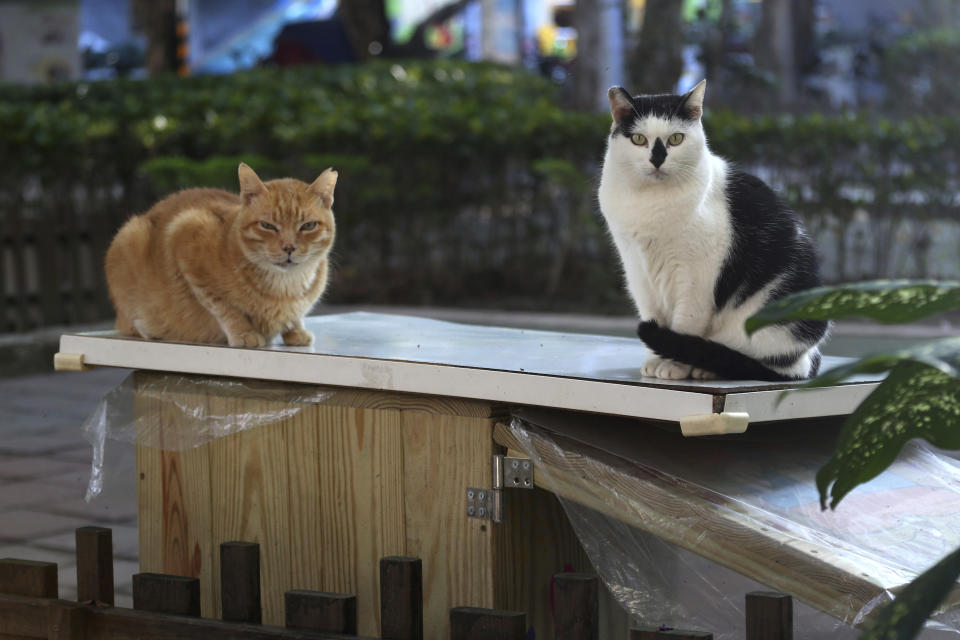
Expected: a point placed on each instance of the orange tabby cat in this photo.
(205, 265)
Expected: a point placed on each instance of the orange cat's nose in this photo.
(289, 248)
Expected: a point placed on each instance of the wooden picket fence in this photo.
(167, 606)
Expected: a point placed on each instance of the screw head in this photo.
(482, 512)
(470, 494)
(471, 510)
(526, 465)
(514, 464)
(482, 495)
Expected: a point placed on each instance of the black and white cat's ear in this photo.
(621, 104)
(323, 186)
(693, 99)
(250, 183)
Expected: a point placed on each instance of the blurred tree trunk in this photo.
(156, 19)
(785, 46)
(587, 92)
(366, 23)
(656, 63)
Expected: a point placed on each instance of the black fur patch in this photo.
(706, 354)
(663, 105)
(765, 245)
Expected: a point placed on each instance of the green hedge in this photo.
(460, 183)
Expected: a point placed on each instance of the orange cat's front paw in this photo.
(248, 339)
(298, 337)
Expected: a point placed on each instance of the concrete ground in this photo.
(44, 469)
(45, 462)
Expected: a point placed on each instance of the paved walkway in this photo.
(44, 469)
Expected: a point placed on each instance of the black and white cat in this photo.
(704, 246)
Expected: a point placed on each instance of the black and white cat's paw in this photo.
(657, 367)
(702, 374)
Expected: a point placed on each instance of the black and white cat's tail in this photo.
(712, 356)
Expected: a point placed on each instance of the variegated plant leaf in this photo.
(890, 301)
(943, 355)
(903, 618)
(915, 401)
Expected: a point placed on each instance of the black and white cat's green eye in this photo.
(675, 139)
(308, 226)
(638, 139)
(269, 227)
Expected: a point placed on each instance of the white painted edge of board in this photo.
(393, 375)
(799, 403)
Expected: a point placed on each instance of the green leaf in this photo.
(889, 301)
(943, 355)
(915, 401)
(903, 618)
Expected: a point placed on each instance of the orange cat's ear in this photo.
(323, 186)
(250, 184)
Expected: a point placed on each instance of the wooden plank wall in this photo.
(326, 492)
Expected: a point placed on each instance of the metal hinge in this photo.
(509, 473)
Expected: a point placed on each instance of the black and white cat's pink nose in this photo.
(658, 154)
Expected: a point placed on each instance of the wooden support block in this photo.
(472, 623)
(66, 620)
(576, 614)
(163, 593)
(28, 578)
(667, 633)
(321, 611)
(95, 565)
(240, 581)
(401, 598)
(769, 616)
(69, 362)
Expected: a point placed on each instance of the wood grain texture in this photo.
(174, 494)
(691, 517)
(327, 490)
(249, 491)
(358, 463)
(442, 456)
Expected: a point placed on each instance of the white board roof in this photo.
(581, 372)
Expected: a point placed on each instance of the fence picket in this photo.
(576, 614)
(240, 582)
(401, 598)
(28, 578)
(162, 593)
(667, 633)
(769, 616)
(320, 611)
(472, 623)
(95, 565)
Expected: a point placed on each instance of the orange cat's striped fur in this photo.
(205, 265)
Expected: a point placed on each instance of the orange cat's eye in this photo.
(308, 226)
(269, 227)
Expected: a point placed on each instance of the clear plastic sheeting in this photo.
(681, 529)
(180, 412)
